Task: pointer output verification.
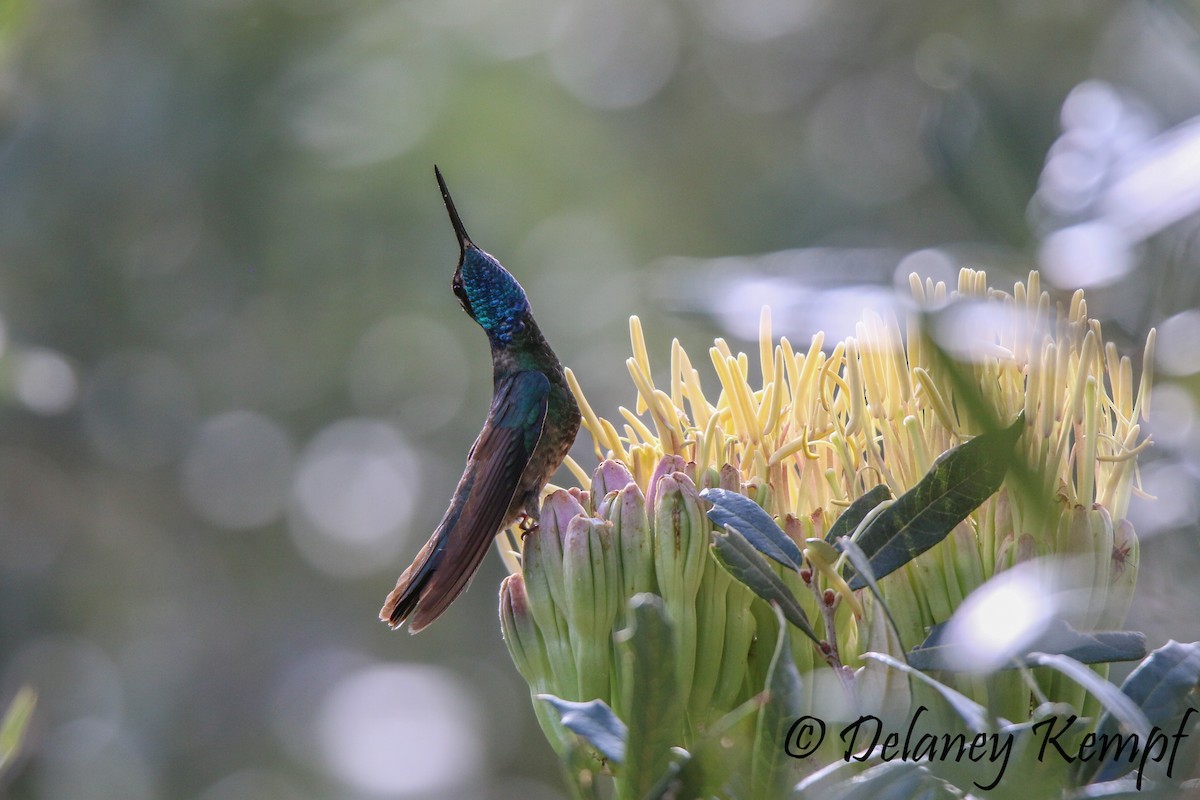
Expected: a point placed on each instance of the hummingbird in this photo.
(529, 428)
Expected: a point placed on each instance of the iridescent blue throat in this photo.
(497, 301)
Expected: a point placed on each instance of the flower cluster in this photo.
(821, 430)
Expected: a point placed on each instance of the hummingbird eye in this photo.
(460, 292)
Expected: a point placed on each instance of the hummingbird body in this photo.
(530, 426)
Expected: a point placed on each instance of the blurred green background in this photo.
(236, 391)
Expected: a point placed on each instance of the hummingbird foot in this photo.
(528, 524)
(530, 515)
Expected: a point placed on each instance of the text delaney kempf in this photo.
(866, 738)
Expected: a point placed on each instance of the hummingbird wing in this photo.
(480, 505)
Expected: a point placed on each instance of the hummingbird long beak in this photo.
(464, 241)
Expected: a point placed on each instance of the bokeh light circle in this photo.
(238, 469)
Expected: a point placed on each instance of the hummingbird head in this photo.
(487, 291)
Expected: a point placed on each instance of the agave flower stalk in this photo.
(825, 427)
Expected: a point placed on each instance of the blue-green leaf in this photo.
(895, 780)
(1115, 702)
(1123, 789)
(971, 712)
(857, 511)
(651, 703)
(748, 518)
(1160, 687)
(741, 560)
(961, 479)
(716, 756)
(771, 771)
(594, 722)
(1058, 638)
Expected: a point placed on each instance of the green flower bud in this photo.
(930, 584)
(760, 492)
(682, 534)
(542, 566)
(902, 601)
(758, 657)
(542, 553)
(1026, 549)
(845, 631)
(611, 476)
(740, 629)
(731, 479)
(992, 534)
(668, 465)
(882, 690)
(1085, 543)
(1123, 575)
(954, 589)
(1006, 550)
(525, 642)
(800, 529)
(528, 650)
(593, 591)
(582, 496)
(1100, 526)
(626, 510)
(962, 562)
(711, 608)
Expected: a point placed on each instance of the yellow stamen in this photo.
(613, 441)
(918, 289)
(672, 423)
(765, 345)
(676, 379)
(578, 471)
(1081, 376)
(723, 348)
(639, 428)
(711, 447)
(934, 396)
(638, 340)
(590, 420)
(797, 445)
(779, 388)
(1142, 407)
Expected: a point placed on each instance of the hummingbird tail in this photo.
(439, 574)
(489, 496)
(404, 598)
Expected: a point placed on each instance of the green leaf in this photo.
(971, 712)
(1159, 687)
(739, 512)
(853, 516)
(651, 703)
(1059, 638)
(961, 479)
(771, 772)
(594, 722)
(15, 723)
(829, 778)
(1124, 789)
(1115, 702)
(717, 755)
(895, 780)
(741, 560)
